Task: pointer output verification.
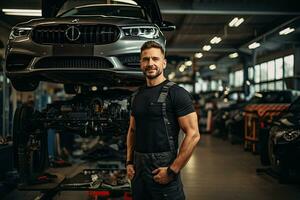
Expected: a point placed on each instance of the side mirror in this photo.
(167, 26)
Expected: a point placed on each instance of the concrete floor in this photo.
(217, 170)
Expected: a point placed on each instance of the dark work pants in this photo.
(143, 185)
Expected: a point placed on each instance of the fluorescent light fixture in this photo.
(236, 22)
(126, 1)
(254, 45)
(22, 12)
(188, 63)
(206, 47)
(239, 22)
(198, 55)
(215, 40)
(182, 68)
(233, 55)
(286, 31)
(212, 67)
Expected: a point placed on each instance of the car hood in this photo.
(290, 120)
(119, 21)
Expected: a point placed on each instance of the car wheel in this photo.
(24, 85)
(30, 145)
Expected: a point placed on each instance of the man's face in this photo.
(152, 63)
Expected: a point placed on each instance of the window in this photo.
(252, 90)
(289, 66)
(198, 85)
(264, 72)
(257, 88)
(279, 68)
(231, 79)
(264, 87)
(204, 86)
(250, 73)
(213, 85)
(238, 78)
(278, 85)
(271, 70)
(271, 86)
(257, 73)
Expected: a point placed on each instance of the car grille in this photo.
(69, 62)
(15, 62)
(130, 60)
(76, 34)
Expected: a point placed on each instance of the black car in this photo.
(284, 143)
(235, 121)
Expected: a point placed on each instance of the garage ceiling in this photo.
(198, 21)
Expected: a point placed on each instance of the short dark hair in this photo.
(152, 44)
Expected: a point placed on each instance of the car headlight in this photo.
(143, 31)
(292, 135)
(19, 31)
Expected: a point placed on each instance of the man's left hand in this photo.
(161, 175)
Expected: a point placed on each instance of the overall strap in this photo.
(163, 99)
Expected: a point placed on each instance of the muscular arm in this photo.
(130, 139)
(189, 125)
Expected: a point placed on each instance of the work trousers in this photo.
(143, 185)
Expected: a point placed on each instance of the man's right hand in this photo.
(130, 171)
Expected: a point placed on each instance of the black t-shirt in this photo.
(150, 129)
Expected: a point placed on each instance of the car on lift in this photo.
(284, 143)
(92, 47)
(90, 44)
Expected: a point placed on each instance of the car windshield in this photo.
(106, 10)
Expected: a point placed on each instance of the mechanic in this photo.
(159, 110)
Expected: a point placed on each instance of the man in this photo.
(159, 111)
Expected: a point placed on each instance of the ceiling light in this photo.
(188, 63)
(182, 68)
(94, 88)
(212, 67)
(22, 12)
(254, 45)
(233, 55)
(206, 47)
(215, 40)
(286, 31)
(236, 22)
(198, 55)
(241, 20)
(126, 1)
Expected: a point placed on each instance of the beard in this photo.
(157, 73)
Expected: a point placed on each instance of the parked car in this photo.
(284, 143)
(96, 44)
(235, 123)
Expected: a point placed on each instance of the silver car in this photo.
(95, 44)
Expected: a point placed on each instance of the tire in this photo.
(24, 85)
(29, 159)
